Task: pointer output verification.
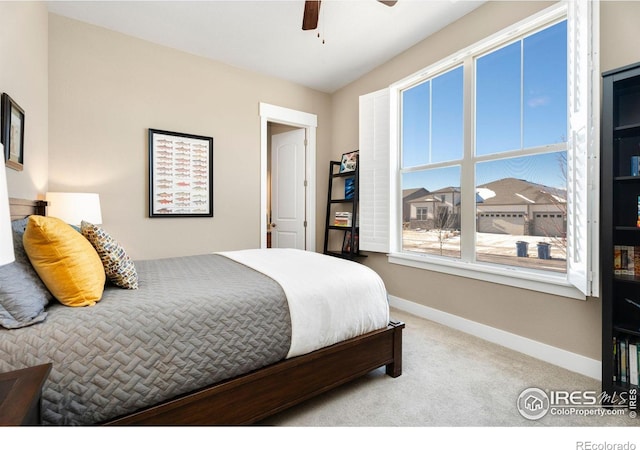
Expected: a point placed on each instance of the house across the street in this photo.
(506, 206)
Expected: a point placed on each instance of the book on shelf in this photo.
(617, 260)
(635, 166)
(626, 354)
(342, 219)
(626, 260)
(615, 359)
(633, 364)
(623, 361)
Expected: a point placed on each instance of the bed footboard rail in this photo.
(259, 394)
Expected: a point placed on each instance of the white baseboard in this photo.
(563, 358)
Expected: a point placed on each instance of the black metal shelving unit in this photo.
(339, 203)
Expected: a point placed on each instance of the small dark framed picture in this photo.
(349, 162)
(180, 174)
(348, 242)
(12, 133)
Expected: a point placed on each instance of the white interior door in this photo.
(288, 190)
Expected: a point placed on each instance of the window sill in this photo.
(555, 284)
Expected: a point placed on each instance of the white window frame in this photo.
(581, 279)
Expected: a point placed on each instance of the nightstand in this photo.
(20, 392)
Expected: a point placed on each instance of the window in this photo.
(518, 154)
(491, 139)
(432, 150)
(521, 108)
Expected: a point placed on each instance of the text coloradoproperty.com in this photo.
(570, 411)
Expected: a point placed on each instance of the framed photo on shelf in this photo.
(348, 242)
(349, 162)
(12, 133)
(349, 188)
(180, 174)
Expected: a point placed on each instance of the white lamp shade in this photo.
(74, 207)
(6, 236)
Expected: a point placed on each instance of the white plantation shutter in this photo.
(374, 171)
(582, 176)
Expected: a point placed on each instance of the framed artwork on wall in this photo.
(12, 133)
(180, 174)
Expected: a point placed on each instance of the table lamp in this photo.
(74, 207)
(6, 236)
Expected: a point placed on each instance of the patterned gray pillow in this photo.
(23, 295)
(118, 266)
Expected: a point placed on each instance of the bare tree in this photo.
(556, 232)
(444, 223)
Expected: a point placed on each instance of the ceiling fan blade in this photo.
(311, 13)
(388, 3)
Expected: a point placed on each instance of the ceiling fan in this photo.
(312, 11)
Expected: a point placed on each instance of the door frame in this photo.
(299, 119)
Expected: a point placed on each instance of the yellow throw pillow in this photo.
(65, 260)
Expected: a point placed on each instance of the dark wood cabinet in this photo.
(20, 393)
(620, 234)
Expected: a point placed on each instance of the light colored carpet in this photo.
(449, 379)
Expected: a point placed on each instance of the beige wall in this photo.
(619, 34)
(569, 324)
(23, 75)
(107, 89)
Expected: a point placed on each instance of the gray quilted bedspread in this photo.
(194, 321)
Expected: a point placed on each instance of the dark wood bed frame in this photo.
(249, 398)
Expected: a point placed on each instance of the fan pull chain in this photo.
(322, 14)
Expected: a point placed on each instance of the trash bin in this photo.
(522, 249)
(544, 250)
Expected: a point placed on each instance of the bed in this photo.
(194, 356)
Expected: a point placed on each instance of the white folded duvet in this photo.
(330, 299)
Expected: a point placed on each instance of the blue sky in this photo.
(521, 102)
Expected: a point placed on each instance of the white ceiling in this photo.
(267, 37)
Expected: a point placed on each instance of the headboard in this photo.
(21, 208)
